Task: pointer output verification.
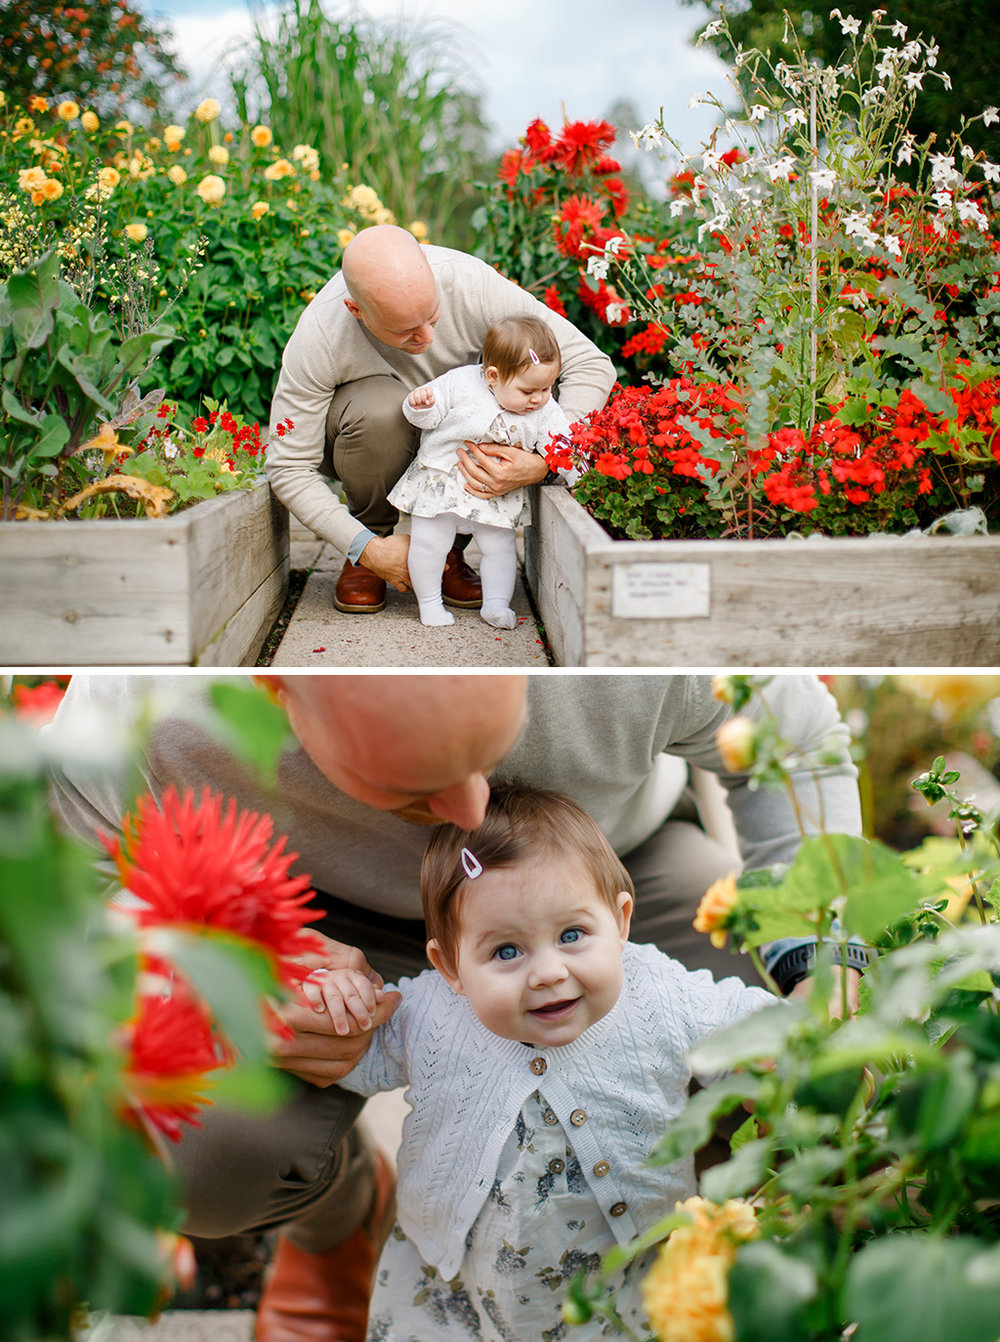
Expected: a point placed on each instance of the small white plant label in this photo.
(660, 591)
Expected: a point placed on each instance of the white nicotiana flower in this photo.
(931, 54)
(614, 312)
(971, 213)
(711, 161)
(942, 199)
(849, 26)
(614, 245)
(893, 245)
(795, 116)
(886, 67)
(782, 169)
(823, 178)
(914, 79)
(649, 137)
(696, 101)
(713, 29)
(907, 144)
(943, 170)
(787, 76)
(598, 267)
(912, 52)
(991, 171)
(899, 30)
(758, 112)
(967, 152)
(678, 206)
(946, 80)
(991, 116)
(858, 225)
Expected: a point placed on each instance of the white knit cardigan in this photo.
(612, 1090)
(464, 407)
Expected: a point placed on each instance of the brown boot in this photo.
(324, 1297)
(460, 585)
(358, 590)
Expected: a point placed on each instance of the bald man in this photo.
(396, 316)
(375, 760)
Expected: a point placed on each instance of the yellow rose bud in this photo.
(89, 122)
(259, 208)
(261, 136)
(207, 111)
(735, 743)
(175, 133)
(218, 155)
(177, 175)
(211, 189)
(124, 127)
(68, 110)
(136, 232)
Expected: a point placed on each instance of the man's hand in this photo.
(386, 557)
(315, 1051)
(492, 469)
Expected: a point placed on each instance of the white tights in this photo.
(430, 540)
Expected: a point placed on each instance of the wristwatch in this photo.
(793, 966)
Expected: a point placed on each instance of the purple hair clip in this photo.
(533, 356)
(471, 864)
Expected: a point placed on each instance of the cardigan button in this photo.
(556, 1166)
(538, 1066)
(601, 1168)
(619, 1209)
(550, 1118)
(578, 1117)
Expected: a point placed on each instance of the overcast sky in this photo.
(531, 57)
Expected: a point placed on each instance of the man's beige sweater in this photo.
(329, 347)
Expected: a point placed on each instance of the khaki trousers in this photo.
(369, 444)
(308, 1167)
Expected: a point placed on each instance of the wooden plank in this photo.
(108, 592)
(869, 602)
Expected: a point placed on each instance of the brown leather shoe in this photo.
(324, 1297)
(359, 591)
(460, 585)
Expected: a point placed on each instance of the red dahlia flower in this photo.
(201, 864)
(582, 144)
(170, 1046)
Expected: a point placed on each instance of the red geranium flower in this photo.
(38, 703)
(199, 864)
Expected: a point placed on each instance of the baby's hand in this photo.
(422, 396)
(347, 994)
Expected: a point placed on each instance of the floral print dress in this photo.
(540, 1226)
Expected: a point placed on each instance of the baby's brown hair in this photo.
(509, 344)
(521, 823)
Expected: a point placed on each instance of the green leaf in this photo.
(693, 1127)
(761, 1035)
(769, 1290)
(915, 1288)
(34, 301)
(743, 1173)
(254, 726)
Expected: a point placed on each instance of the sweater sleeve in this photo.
(384, 1066)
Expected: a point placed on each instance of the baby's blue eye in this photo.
(506, 952)
(572, 934)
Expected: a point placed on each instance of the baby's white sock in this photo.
(498, 614)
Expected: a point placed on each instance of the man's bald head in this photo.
(420, 746)
(391, 287)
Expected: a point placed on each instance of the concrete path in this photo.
(318, 635)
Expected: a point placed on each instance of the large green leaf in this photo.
(34, 301)
(769, 1291)
(692, 1128)
(253, 725)
(916, 1288)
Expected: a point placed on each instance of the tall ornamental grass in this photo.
(394, 99)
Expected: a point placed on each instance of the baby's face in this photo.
(525, 391)
(540, 951)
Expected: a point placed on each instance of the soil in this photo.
(230, 1272)
(296, 582)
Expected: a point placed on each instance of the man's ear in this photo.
(444, 967)
(626, 905)
(352, 307)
